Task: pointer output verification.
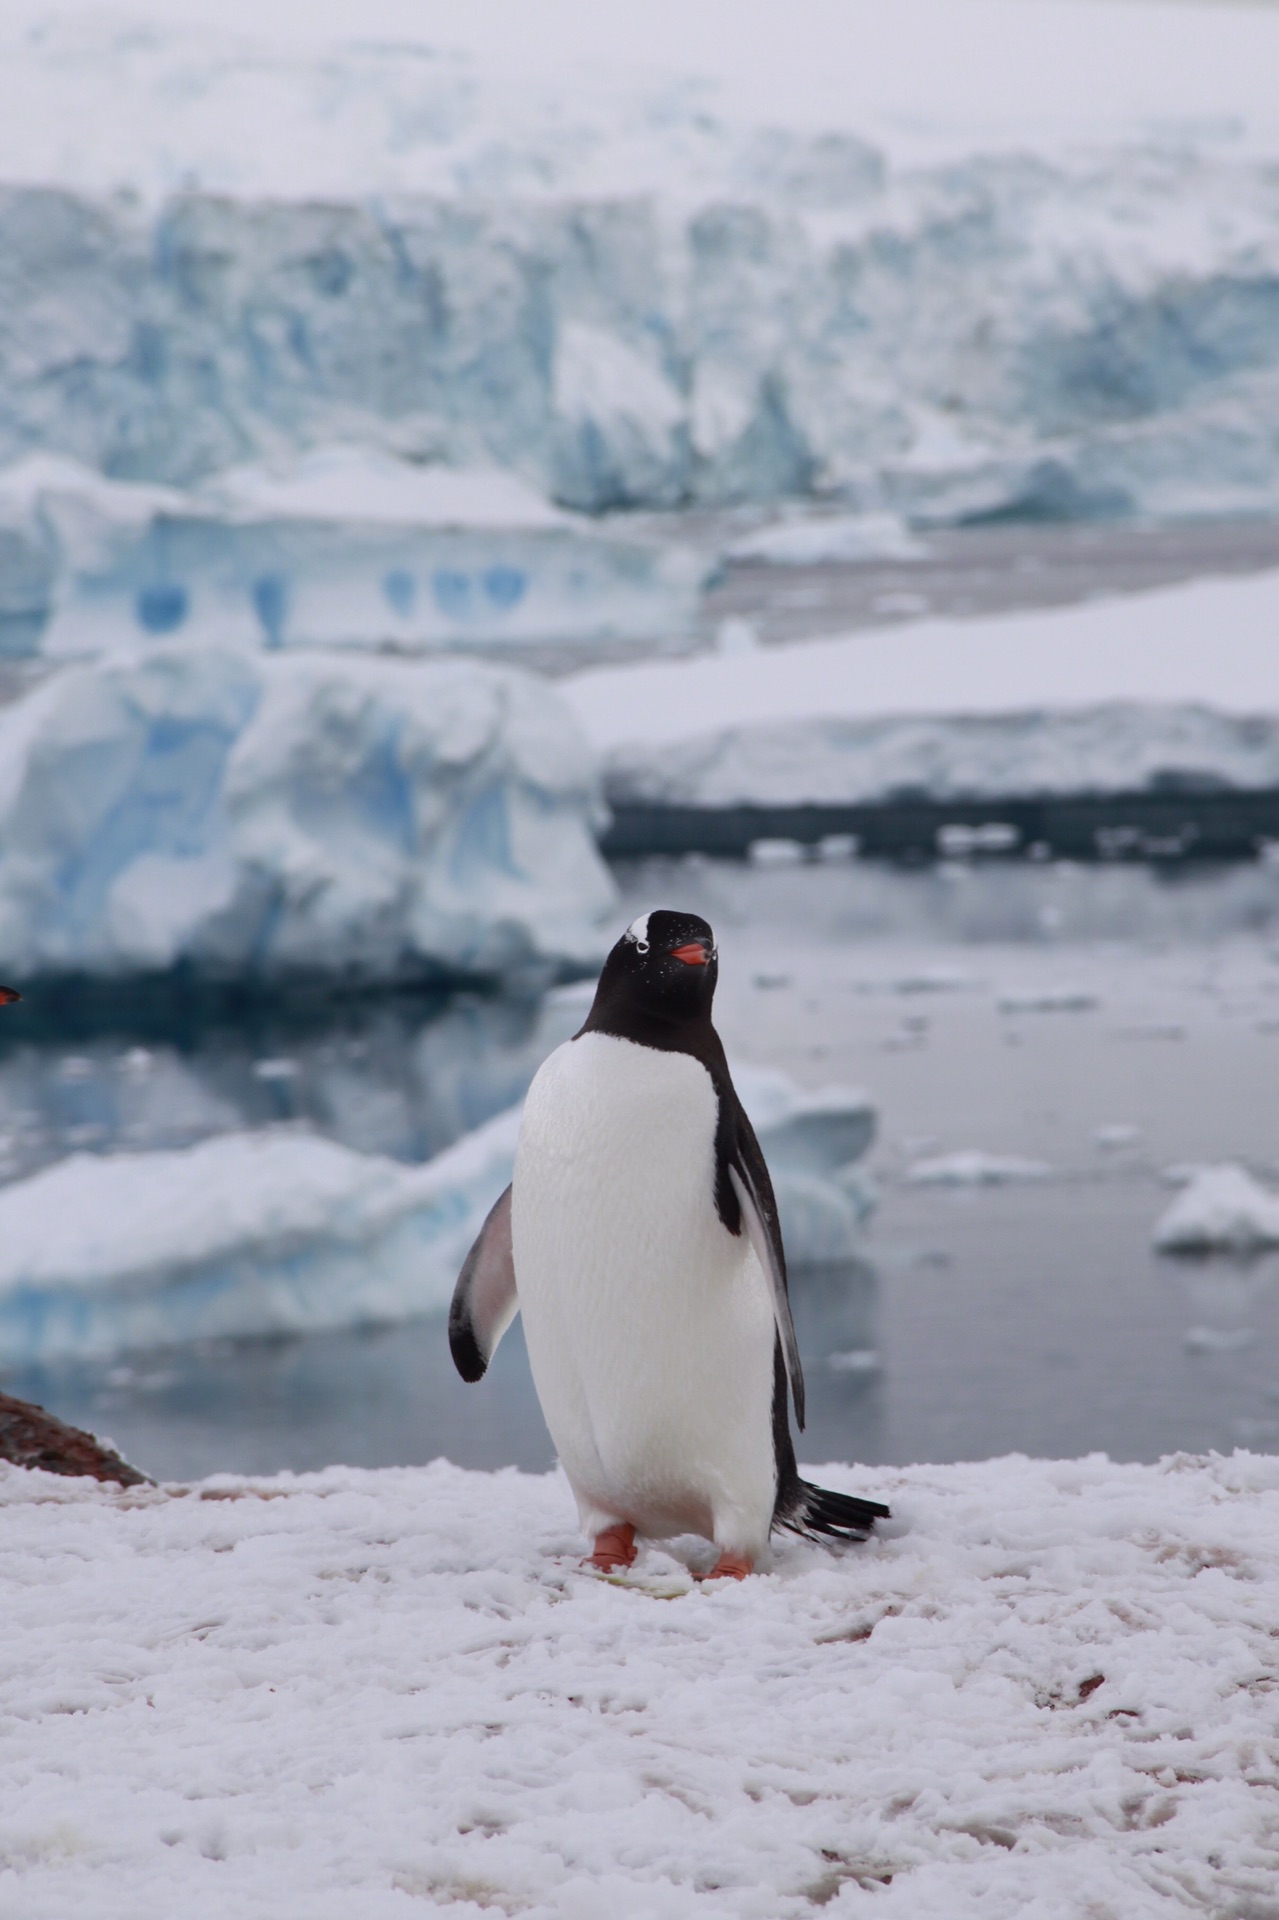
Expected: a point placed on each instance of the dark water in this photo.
(1107, 1022)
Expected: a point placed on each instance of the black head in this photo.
(658, 980)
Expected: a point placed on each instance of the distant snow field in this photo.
(1049, 1691)
(1178, 684)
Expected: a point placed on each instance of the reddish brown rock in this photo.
(30, 1437)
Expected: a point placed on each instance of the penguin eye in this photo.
(641, 946)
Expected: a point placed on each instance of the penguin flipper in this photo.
(768, 1252)
(484, 1299)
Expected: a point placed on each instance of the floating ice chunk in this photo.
(777, 853)
(247, 1234)
(855, 1360)
(821, 1217)
(342, 547)
(973, 1168)
(1220, 1210)
(1115, 1134)
(265, 815)
(827, 541)
(1217, 1339)
(957, 839)
(274, 1232)
(821, 1132)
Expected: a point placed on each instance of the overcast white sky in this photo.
(799, 57)
(924, 78)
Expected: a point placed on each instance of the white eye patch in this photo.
(638, 930)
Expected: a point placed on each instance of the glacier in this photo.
(344, 546)
(645, 295)
(273, 816)
(282, 1231)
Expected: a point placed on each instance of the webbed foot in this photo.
(731, 1566)
(614, 1548)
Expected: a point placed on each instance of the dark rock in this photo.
(30, 1437)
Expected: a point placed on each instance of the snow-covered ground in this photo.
(281, 1232)
(1112, 695)
(1050, 1691)
(344, 547)
(949, 258)
(260, 815)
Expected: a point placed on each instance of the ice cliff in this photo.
(283, 1232)
(273, 815)
(955, 286)
(998, 336)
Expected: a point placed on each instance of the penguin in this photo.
(640, 1240)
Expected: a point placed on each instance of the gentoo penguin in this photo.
(640, 1240)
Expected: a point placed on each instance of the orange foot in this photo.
(614, 1548)
(731, 1566)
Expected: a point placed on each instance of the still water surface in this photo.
(1109, 1022)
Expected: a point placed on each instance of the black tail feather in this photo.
(835, 1516)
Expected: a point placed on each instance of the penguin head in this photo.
(664, 967)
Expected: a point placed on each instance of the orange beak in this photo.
(693, 955)
(8, 994)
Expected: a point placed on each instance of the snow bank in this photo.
(1179, 686)
(641, 286)
(1220, 1210)
(284, 1232)
(344, 547)
(1050, 1692)
(260, 816)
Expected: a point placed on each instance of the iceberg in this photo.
(281, 1231)
(344, 547)
(1220, 1210)
(972, 1167)
(268, 816)
(246, 1234)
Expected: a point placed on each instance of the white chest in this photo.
(621, 1139)
(649, 1326)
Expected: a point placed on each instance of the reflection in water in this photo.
(395, 1075)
